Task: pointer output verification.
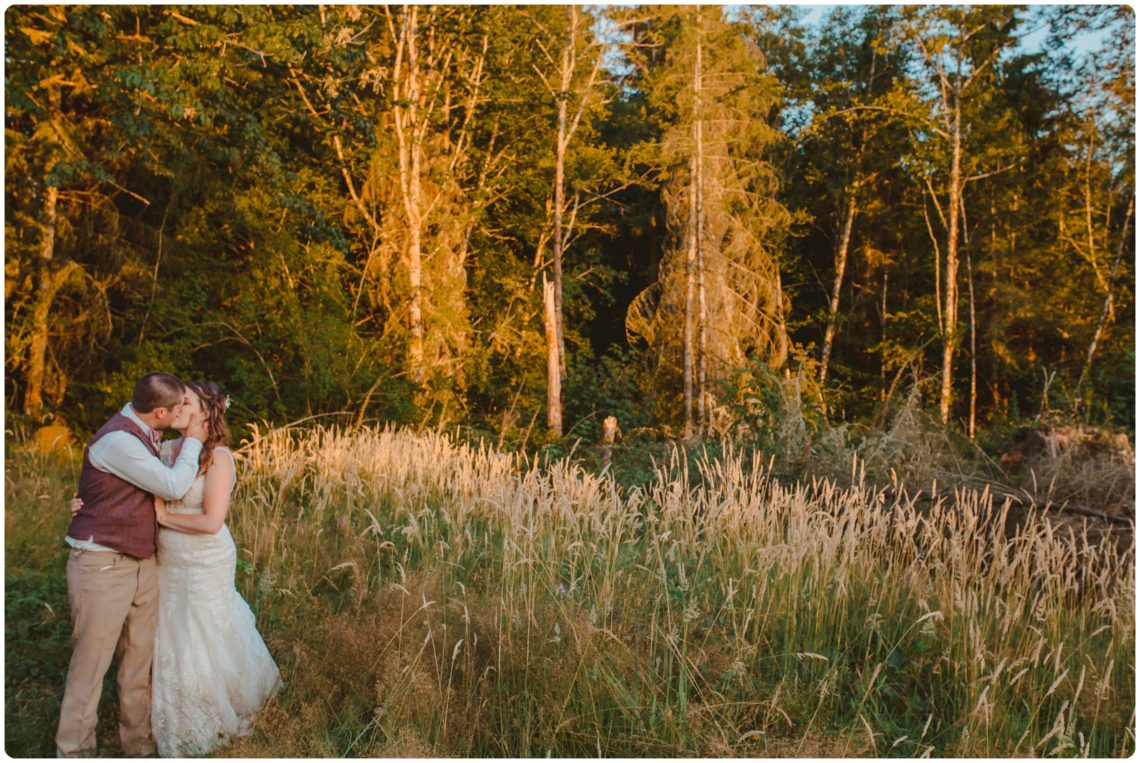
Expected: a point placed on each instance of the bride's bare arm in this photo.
(215, 503)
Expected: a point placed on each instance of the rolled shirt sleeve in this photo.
(125, 456)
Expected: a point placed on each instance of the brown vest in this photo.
(118, 514)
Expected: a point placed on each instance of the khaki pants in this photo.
(114, 611)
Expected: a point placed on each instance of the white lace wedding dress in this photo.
(212, 671)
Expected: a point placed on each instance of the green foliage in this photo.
(1114, 401)
(607, 386)
(37, 627)
(38, 633)
(231, 205)
(778, 415)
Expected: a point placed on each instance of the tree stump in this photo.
(610, 434)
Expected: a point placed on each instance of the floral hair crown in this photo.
(224, 399)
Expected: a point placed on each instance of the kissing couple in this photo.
(150, 581)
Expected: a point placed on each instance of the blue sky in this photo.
(1084, 43)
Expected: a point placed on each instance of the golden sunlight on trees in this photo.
(356, 208)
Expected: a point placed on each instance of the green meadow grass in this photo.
(425, 597)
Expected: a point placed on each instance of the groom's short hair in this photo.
(157, 390)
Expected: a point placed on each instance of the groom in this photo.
(112, 590)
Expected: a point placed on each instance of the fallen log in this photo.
(1026, 501)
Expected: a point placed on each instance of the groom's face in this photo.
(168, 416)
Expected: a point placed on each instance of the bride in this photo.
(212, 671)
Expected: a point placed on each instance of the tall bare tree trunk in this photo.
(780, 357)
(973, 345)
(409, 135)
(552, 307)
(1106, 311)
(566, 75)
(559, 235)
(995, 256)
(1011, 246)
(950, 322)
(840, 270)
(702, 300)
(552, 304)
(553, 378)
(692, 263)
(46, 288)
(567, 125)
(883, 336)
(1090, 227)
(47, 284)
(690, 288)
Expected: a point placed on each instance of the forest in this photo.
(522, 220)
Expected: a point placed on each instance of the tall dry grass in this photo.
(431, 597)
(426, 597)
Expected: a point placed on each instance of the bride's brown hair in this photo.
(214, 405)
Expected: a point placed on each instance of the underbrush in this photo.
(429, 598)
